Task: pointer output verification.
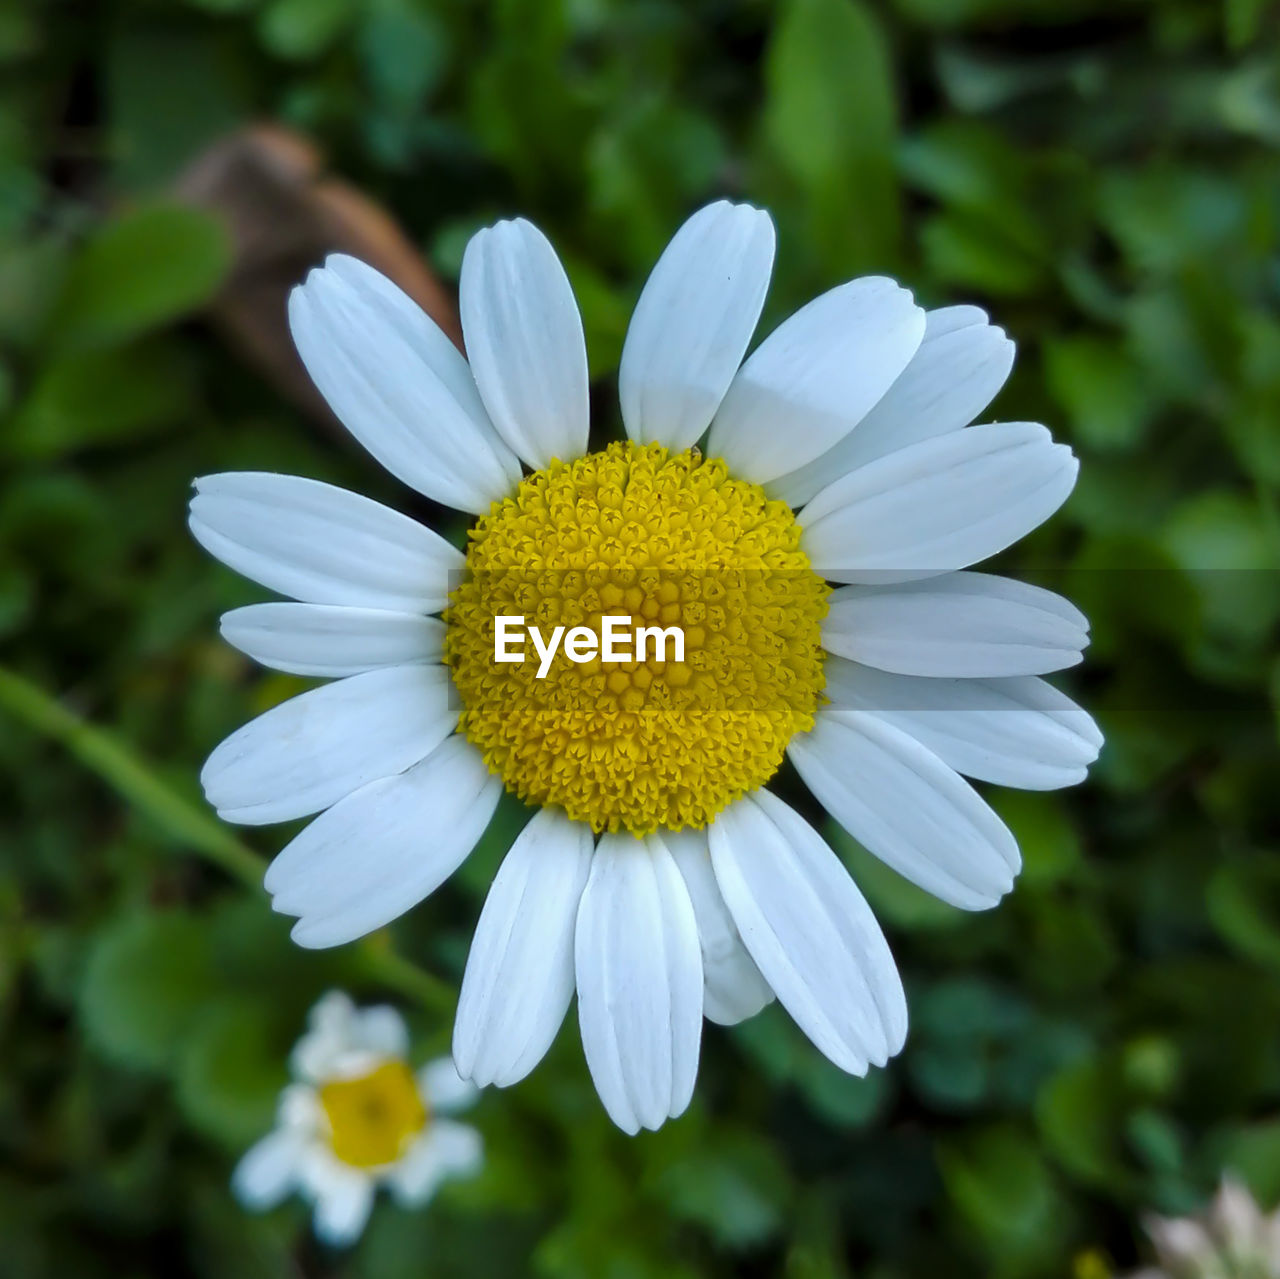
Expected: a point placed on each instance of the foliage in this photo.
(1101, 175)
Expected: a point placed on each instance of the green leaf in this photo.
(1127, 586)
(404, 53)
(1003, 1190)
(1101, 390)
(1045, 834)
(1244, 904)
(147, 983)
(948, 14)
(1080, 1112)
(955, 1054)
(735, 1186)
(843, 1100)
(645, 171)
(1228, 547)
(249, 938)
(604, 316)
(148, 268)
(231, 1069)
(830, 119)
(32, 273)
(223, 6)
(301, 30)
(83, 399)
(147, 68)
(966, 167)
(17, 597)
(19, 33)
(970, 251)
(1165, 215)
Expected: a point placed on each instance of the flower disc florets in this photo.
(665, 539)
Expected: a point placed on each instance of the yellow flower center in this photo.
(373, 1119)
(659, 539)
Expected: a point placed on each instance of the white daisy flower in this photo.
(659, 878)
(358, 1117)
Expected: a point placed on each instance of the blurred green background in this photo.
(1100, 174)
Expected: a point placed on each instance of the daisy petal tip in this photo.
(299, 933)
(304, 292)
(272, 880)
(844, 1058)
(990, 896)
(340, 263)
(295, 305)
(320, 934)
(473, 1065)
(746, 212)
(679, 1104)
(279, 907)
(464, 1057)
(898, 1034)
(748, 219)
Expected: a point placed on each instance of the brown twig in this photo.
(268, 184)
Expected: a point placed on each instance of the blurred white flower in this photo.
(358, 1117)
(1233, 1240)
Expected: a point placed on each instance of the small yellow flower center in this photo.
(374, 1118)
(661, 540)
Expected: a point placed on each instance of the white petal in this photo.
(733, 988)
(268, 1170)
(380, 851)
(299, 1106)
(399, 385)
(948, 319)
(810, 931)
(957, 371)
(314, 542)
(907, 807)
(814, 377)
(331, 640)
(692, 324)
(333, 1015)
(445, 1090)
(524, 339)
(1014, 732)
(962, 625)
(519, 977)
(446, 1149)
(329, 1038)
(310, 751)
(938, 505)
(639, 973)
(343, 1202)
(381, 1030)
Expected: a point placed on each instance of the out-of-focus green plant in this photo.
(1101, 176)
